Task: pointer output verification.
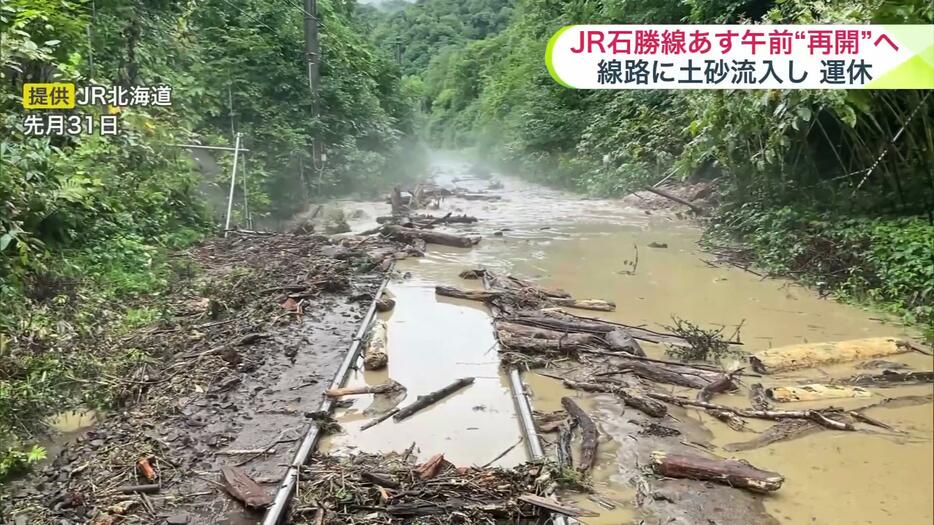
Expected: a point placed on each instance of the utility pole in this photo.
(313, 57)
(312, 51)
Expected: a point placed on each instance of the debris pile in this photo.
(368, 489)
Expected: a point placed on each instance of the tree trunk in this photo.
(375, 355)
(588, 433)
(815, 354)
(730, 472)
(429, 399)
(789, 394)
(448, 239)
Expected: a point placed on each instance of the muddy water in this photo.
(590, 248)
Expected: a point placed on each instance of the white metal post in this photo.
(233, 180)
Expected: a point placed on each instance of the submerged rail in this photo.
(287, 486)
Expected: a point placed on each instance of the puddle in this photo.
(585, 247)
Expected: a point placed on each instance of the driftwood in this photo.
(429, 399)
(533, 345)
(722, 384)
(629, 397)
(731, 419)
(817, 416)
(566, 322)
(375, 355)
(670, 374)
(382, 388)
(784, 430)
(814, 392)
(425, 220)
(815, 354)
(244, 489)
(738, 474)
(588, 433)
(662, 193)
(758, 398)
(380, 419)
(430, 236)
(470, 295)
(890, 378)
(554, 506)
(585, 304)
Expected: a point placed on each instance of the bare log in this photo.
(588, 433)
(470, 295)
(424, 401)
(817, 416)
(813, 392)
(783, 430)
(670, 374)
(531, 345)
(380, 419)
(403, 234)
(375, 355)
(629, 397)
(890, 378)
(382, 388)
(695, 208)
(585, 304)
(730, 472)
(807, 355)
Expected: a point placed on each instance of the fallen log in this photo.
(429, 399)
(620, 341)
(380, 419)
(814, 392)
(485, 296)
(629, 397)
(588, 433)
(722, 384)
(818, 416)
(808, 355)
(244, 489)
(783, 430)
(375, 355)
(890, 378)
(382, 388)
(670, 374)
(532, 345)
(662, 193)
(408, 235)
(732, 420)
(564, 321)
(738, 474)
(554, 506)
(585, 304)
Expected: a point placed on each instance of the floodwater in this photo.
(590, 249)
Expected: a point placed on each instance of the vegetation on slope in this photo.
(87, 222)
(793, 165)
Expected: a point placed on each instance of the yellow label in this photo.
(49, 96)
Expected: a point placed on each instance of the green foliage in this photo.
(776, 153)
(87, 222)
(881, 260)
(15, 460)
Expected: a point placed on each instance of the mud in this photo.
(240, 365)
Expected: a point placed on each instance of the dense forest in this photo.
(801, 180)
(87, 222)
(813, 184)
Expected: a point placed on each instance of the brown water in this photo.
(582, 246)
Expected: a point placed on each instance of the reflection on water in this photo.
(584, 246)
